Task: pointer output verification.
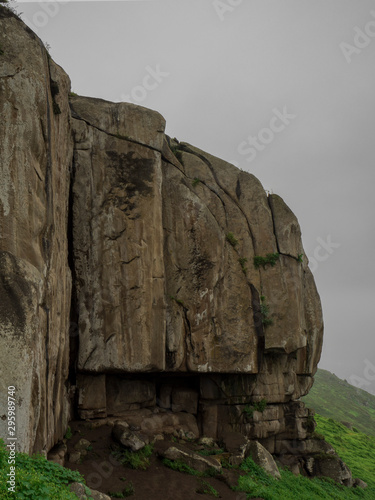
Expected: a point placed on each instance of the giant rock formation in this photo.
(127, 283)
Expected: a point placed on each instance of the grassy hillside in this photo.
(334, 398)
(355, 448)
(35, 478)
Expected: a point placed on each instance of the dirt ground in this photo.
(102, 472)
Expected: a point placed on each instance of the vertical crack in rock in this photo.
(273, 222)
(208, 163)
(74, 309)
(259, 328)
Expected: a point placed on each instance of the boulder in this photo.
(79, 490)
(358, 483)
(126, 437)
(82, 446)
(263, 458)
(208, 441)
(330, 465)
(193, 460)
(75, 457)
(57, 454)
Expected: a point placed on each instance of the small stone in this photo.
(207, 441)
(82, 446)
(98, 495)
(74, 457)
(57, 454)
(79, 490)
(358, 483)
(127, 437)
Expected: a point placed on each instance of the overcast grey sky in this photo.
(222, 73)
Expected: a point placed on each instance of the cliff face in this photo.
(35, 280)
(166, 309)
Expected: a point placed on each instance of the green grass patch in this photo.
(270, 258)
(257, 406)
(68, 434)
(36, 478)
(178, 301)
(126, 492)
(205, 488)
(231, 239)
(196, 181)
(264, 311)
(356, 449)
(257, 483)
(134, 459)
(177, 152)
(242, 261)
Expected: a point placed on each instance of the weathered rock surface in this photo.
(126, 437)
(193, 460)
(80, 491)
(35, 281)
(172, 326)
(264, 459)
(58, 453)
(330, 465)
(118, 236)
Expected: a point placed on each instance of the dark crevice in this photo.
(131, 260)
(117, 136)
(124, 138)
(188, 342)
(258, 324)
(37, 173)
(46, 346)
(204, 184)
(273, 223)
(90, 355)
(74, 310)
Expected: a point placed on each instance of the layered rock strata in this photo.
(191, 297)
